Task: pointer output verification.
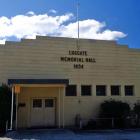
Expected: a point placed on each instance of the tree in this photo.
(5, 105)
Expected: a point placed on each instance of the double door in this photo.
(43, 112)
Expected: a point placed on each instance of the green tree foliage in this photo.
(5, 105)
(114, 109)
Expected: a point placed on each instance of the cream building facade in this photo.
(55, 79)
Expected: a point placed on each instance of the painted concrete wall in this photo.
(87, 107)
(40, 58)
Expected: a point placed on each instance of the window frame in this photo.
(85, 86)
(49, 103)
(105, 90)
(119, 86)
(72, 95)
(133, 91)
(36, 105)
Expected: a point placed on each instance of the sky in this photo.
(98, 19)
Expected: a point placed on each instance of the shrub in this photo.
(136, 110)
(114, 109)
(91, 124)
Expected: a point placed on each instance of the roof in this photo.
(38, 81)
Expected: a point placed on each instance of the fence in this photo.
(111, 123)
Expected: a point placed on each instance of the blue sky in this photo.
(113, 15)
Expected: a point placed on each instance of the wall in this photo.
(40, 58)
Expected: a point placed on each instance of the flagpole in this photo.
(78, 35)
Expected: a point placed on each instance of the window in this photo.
(71, 90)
(115, 90)
(37, 103)
(129, 90)
(100, 90)
(49, 102)
(86, 90)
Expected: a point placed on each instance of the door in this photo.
(49, 112)
(43, 112)
(37, 112)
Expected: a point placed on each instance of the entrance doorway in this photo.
(43, 112)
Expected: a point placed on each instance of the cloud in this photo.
(2, 41)
(91, 29)
(31, 24)
(30, 13)
(52, 11)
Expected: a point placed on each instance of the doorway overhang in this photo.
(16, 85)
(38, 82)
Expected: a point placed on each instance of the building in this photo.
(55, 79)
